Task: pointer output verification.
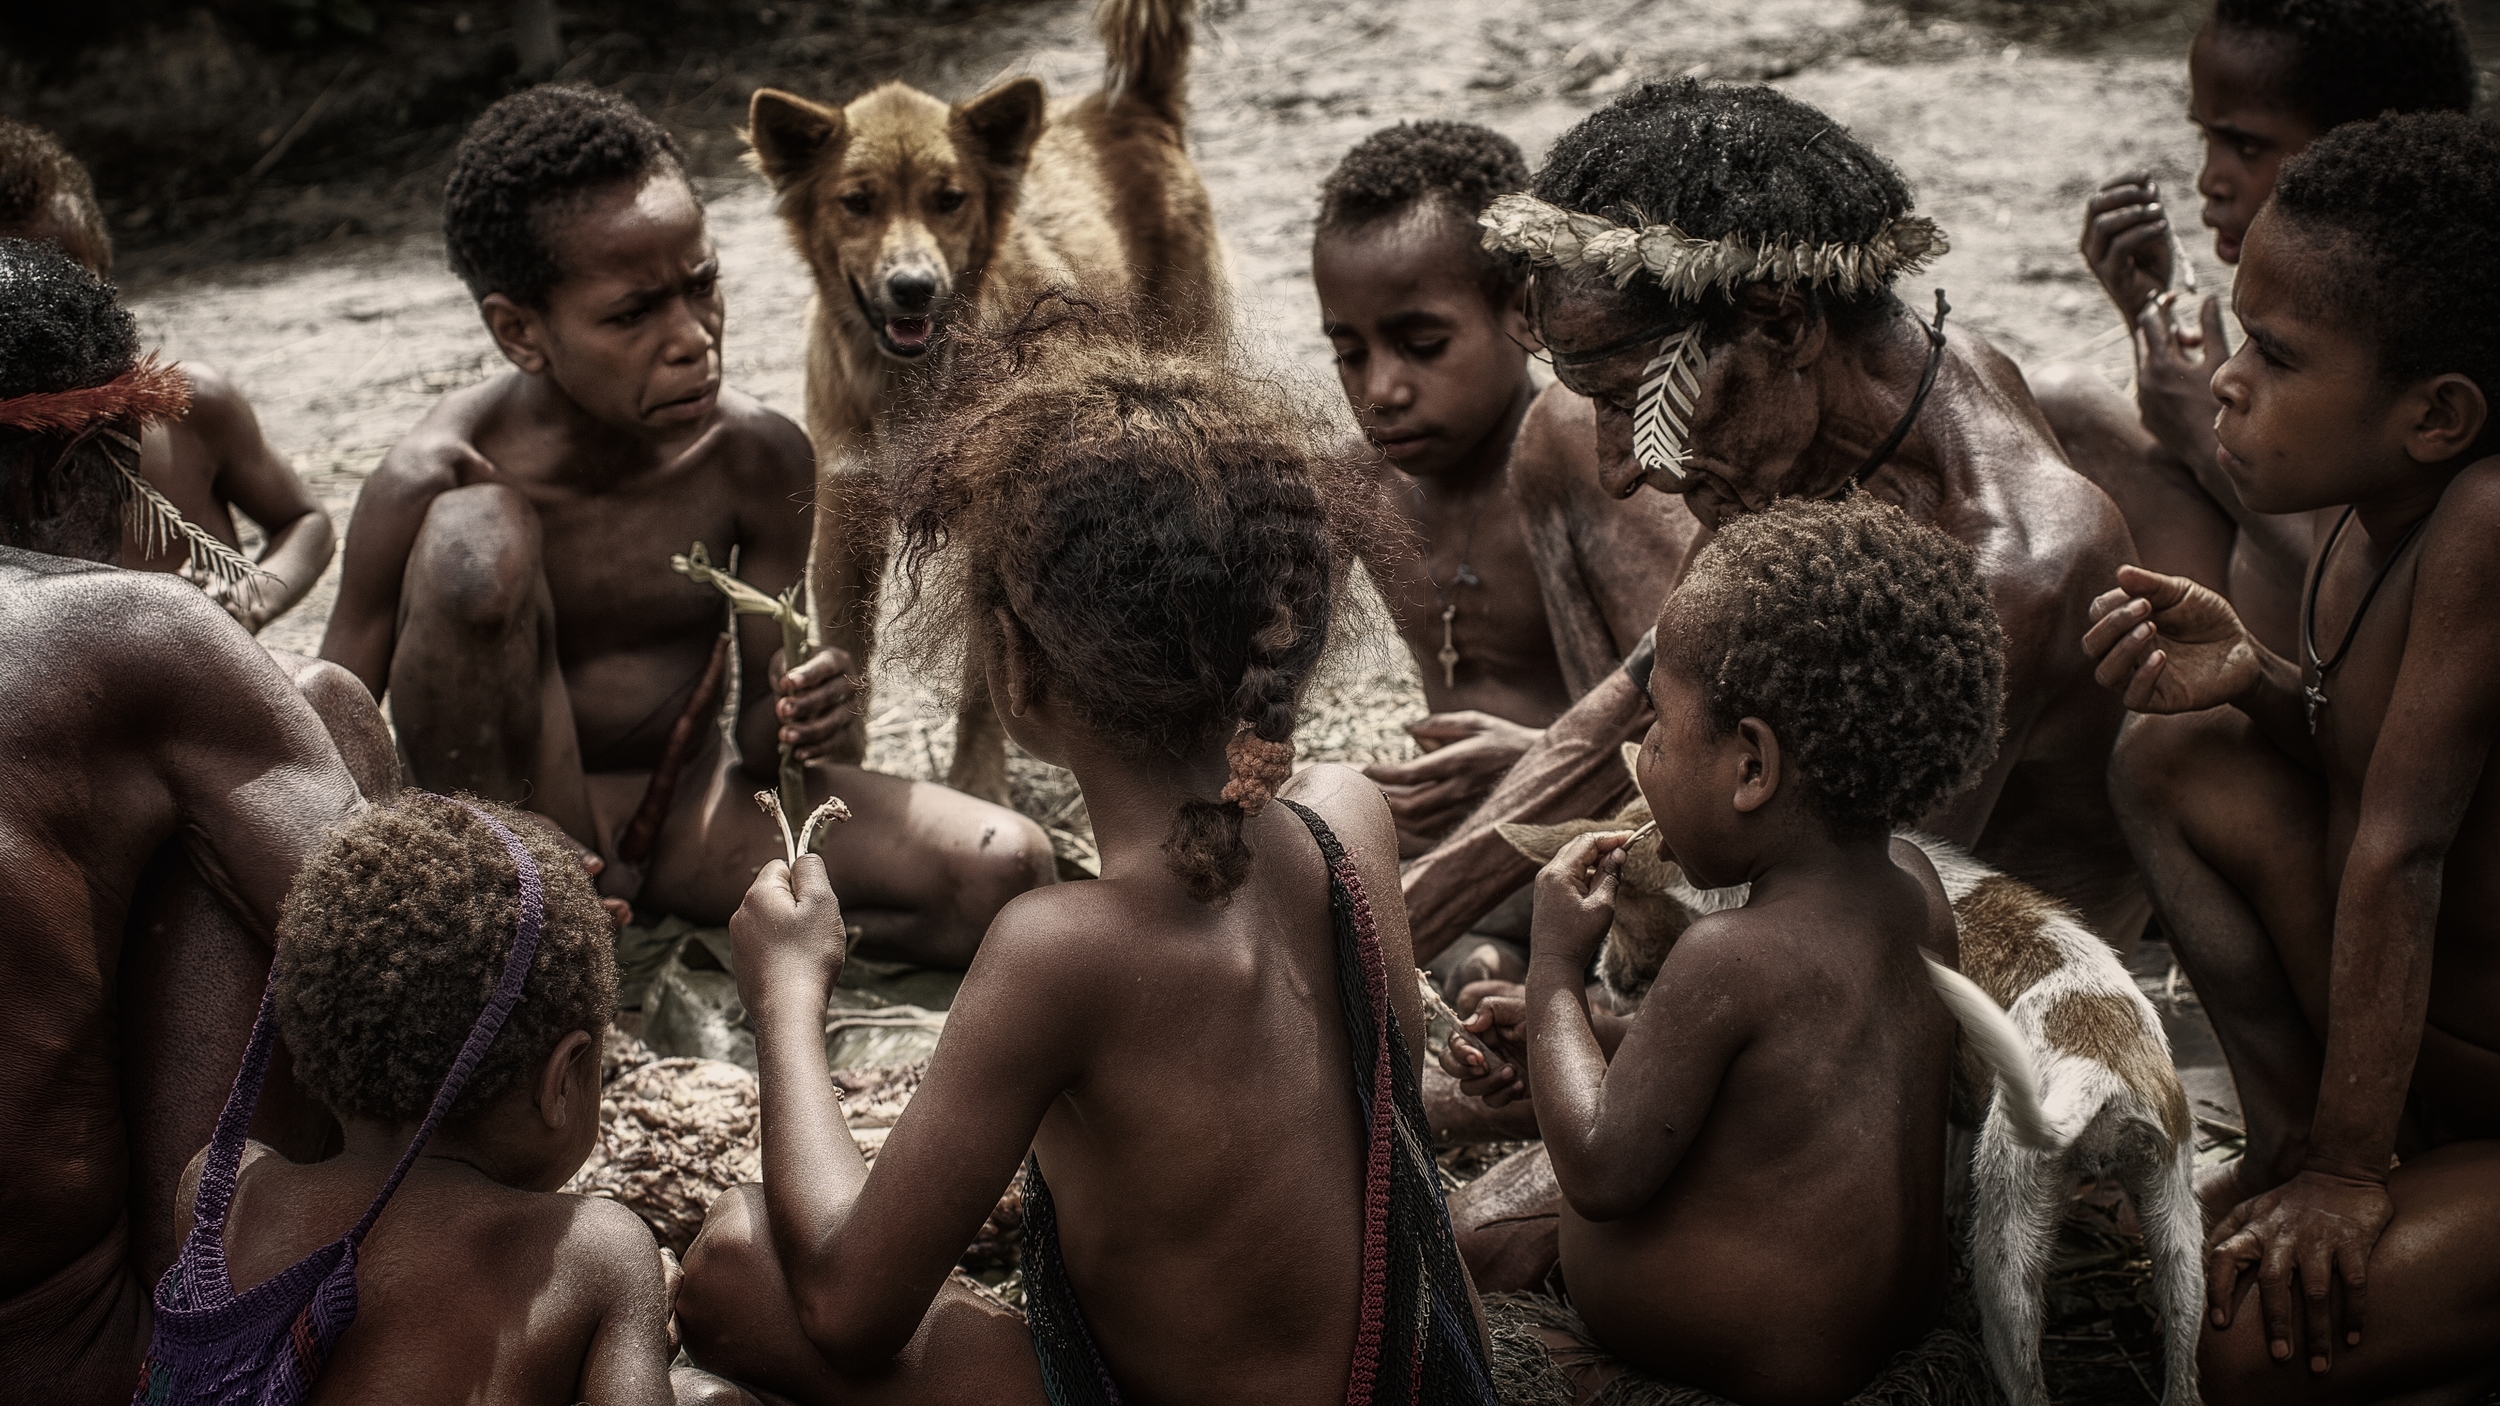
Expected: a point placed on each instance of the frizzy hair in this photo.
(1161, 527)
(395, 934)
(1865, 639)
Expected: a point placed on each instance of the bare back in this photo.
(1200, 1129)
(132, 713)
(466, 1290)
(1798, 1241)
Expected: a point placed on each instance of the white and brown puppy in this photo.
(913, 216)
(2079, 1083)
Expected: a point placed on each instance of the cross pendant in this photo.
(1449, 648)
(2313, 698)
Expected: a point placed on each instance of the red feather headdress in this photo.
(145, 392)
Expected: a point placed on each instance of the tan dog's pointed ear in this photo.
(1538, 842)
(785, 133)
(1542, 842)
(1632, 760)
(1004, 122)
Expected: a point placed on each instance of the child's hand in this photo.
(2165, 644)
(2126, 240)
(1575, 896)
(2174, 378)
(787, 938)
(1497, 1020)
(814, 706)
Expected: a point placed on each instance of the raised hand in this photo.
(2299, 1240)
(1575, 896)
(2126, 240)
(816, 700)
(2165, 645)
(786, 938)
(2174, 378)
(1466, 754)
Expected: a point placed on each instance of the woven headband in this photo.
(1552, 237)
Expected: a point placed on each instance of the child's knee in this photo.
(1014, 855)
(2154, 759)
(476, 558)
(725, 1261)
(354, 722)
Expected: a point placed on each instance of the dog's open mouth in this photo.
(907, 336)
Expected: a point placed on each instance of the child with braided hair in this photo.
(1145, 552)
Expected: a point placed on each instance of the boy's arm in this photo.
(2425, 768)
(810, 706)
(866, 1255)
(252, 773)
(2165, 644)
(390, 510)
(627, 1364)
(256, 479)
(1616, 1133)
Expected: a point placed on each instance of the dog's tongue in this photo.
(907, 331)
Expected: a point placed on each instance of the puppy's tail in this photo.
(1991, 1032)
(1146, 53)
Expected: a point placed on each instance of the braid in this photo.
(1164, 529)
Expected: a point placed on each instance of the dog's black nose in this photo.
(911, 290)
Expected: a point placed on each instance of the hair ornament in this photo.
(1551, 237)
(1259, 767)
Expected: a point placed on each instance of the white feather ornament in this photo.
(1662, 417)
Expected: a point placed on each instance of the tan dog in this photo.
(914, 216)
(2089, 1088)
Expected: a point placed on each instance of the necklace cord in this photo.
(2352, 631)
(1918, 400)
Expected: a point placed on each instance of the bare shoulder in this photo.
(126, 620)
(2458, 571)
(213, 397)
(440, 453)
(1554, 457)
(603, 1236)
(768, 449)
(1351, 804)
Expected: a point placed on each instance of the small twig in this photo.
(805, 841)
(696, 565)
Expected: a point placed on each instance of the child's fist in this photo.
(1575, 895)
(787, 937)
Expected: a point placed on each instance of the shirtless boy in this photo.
(474, 1279)
(1431, 341)
(1148, 593)
(211, 460)
(1754, 1180)
(2324, 846)
(2265, 78)
(140, 727)
(1800, 389)
(508, 580)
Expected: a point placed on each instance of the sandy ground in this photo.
(344, 347)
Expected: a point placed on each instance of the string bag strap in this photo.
(490, 1022)
(234, 1124)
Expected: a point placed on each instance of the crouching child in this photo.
(444, 980)
(1754, 1181)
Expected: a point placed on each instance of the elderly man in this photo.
(1713, 276)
